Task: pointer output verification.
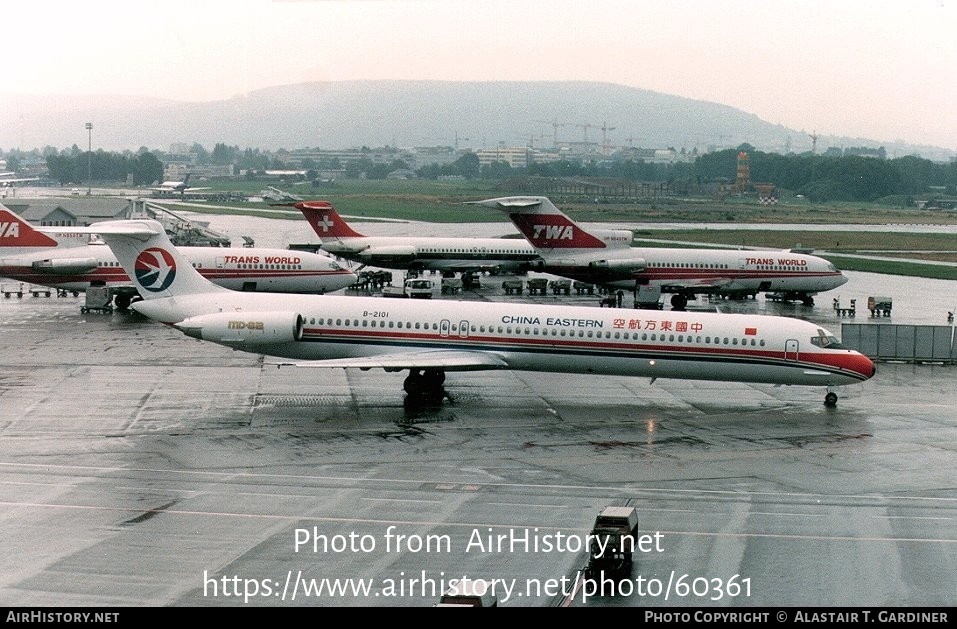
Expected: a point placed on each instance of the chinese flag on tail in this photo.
(750, 331)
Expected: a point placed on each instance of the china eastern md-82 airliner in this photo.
(606, 257)
(65, 258)
(429, 339)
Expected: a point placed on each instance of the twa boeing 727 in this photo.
(430, 339)
(606, 257)
(66, 258)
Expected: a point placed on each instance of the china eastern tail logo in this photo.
(155, 269)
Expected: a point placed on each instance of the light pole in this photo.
(89, 159)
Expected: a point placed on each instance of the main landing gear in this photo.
(679, 302)
(425, 383)
(830, 400)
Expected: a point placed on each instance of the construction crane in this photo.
(555, 124)
(584, 128)
(604, 136)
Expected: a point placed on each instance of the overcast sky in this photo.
(879, 69)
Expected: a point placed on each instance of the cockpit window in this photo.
(825, 339)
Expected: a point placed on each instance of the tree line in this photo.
(820, 178)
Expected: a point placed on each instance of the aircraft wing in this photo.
(447, 360)
(713, 283)
(468, 267)
(275, 196)
(508, 202)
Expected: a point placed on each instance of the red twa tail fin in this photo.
(16, 232)
(553, 231)
(325, 221)
(547, 227)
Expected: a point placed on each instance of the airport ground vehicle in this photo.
(415, 288)
(880, 306)
(561, 287)
(451, 285)
(98, 299)
(537, 285)
(513, 286)
(613, 542)
(583, 288)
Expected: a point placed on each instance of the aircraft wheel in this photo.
(433, 378)
(427, 383)
(830, 399)
(807, 300)
(679, 301)
(122, 302)
(413, 383)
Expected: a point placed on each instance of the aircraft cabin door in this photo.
(220, 262)
(444, 327)
(791, 349)
(463, 329)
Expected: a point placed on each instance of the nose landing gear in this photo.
(830, 399)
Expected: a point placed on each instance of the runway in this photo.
(139, 467)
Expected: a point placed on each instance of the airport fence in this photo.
(908, 343)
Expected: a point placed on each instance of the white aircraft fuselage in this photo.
(606, 257)
(447, 255)
(698, 270)
(429, 339)
(569, 339)
(259, 269)
(437, 254)
(70, 259)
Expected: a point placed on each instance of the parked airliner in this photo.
(67, 258)
(9, 180)
(181, 187)
(448, 255)
(429, 339)
(606, 257)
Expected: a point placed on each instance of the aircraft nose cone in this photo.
(864, 366)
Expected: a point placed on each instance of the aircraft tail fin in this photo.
(547, 227)
(325, 221)
(157, 268)
(17, 233)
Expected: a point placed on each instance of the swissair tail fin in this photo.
(325, 221)
(547, 227)
(156, 267)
